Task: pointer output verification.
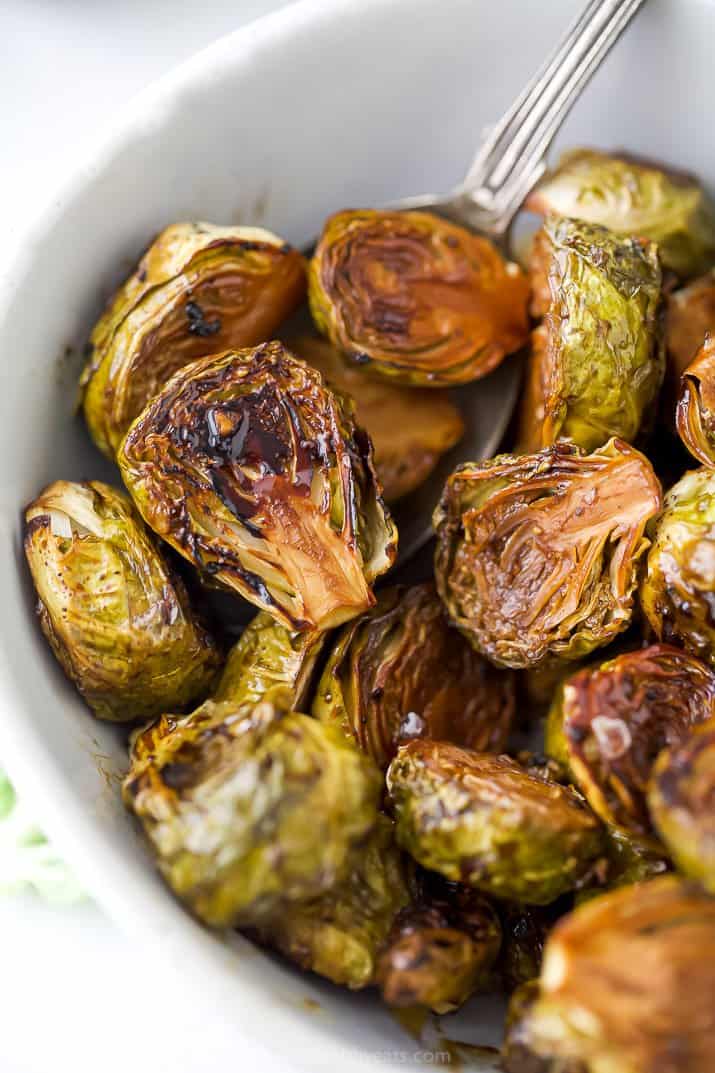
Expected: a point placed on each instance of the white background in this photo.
(75, 996)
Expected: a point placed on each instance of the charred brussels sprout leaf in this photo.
(117, 618)
(633, 197)
(416, 298)
(537, 555)
(680, 797)
(610, 723)
(410, 428)
(524, 931)
(695, 413)
(270, 662)
(254, 470)
(401, 672)
(628, 980)
(441, 949)
(484, 821)
(689, 317)
(199, 289)
(340, 934)
(598, 360)
(249, 810)
(678, 590)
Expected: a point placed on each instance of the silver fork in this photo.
(508, 163)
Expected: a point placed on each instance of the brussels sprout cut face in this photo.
(416, 298)
(199, 289)
(678, 588)
(410, 428)
(255, 471)
(484, 821)
(695, 413)
(598, 360)
(610, 723)
(401, 672)
(633, 197)
(117, 618)
(681, 799)
(537, 555)
(250, 809)
(628, 981)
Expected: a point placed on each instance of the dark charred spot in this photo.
(359, 357)
(198, 324)
(177, 776)
(141, 275)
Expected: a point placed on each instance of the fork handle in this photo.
(512, 156)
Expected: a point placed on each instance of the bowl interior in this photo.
(321, 106)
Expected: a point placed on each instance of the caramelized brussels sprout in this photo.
(597, 361)
(441, 949)
(695, 412)
(401, 672)
(633, 197)
(254, 470)
(537, 555)
(517, 1054)
(681, 796)
(415, 298)
(689, 317)
(199, 289)
(483, 820)
(340, 934)
(678, 589)
(269, 662)
(609, 724)
(116, 616)
(524, 932)
(628, 980)
(250, 809)
(410, 428)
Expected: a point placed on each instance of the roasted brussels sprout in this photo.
(415, 298)
(678, 589)
(441, 949)
(681, 796)
(517, 1054)
(484, 821)
(269, 662)
(695, 412)
(537, 555)
(609, 723)
(199, 289)
(250, 809)
(254, 470)
(401, 672)
(410, 428)
(524, 932)
(116, 616)
(628, 980)
(633, 197)
(340, 934)
(598, 360)
(689, 317)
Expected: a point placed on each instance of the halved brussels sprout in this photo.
(609, 724)
(695, 412)
(597, 360)
(415, 298)
(628, 980)
(340, 934)
(484, 821)
(633, 197)
(250, 809)
(400, 672)
(270, 662)
(681, 796)
(410, 428)
(116, 616)
(537, 555)
(199, 289)
(678, 589)
(253, 469)
(441, 949)
(689, 317)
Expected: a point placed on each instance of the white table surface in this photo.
(74, 993)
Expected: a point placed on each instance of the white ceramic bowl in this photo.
(326, 104)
